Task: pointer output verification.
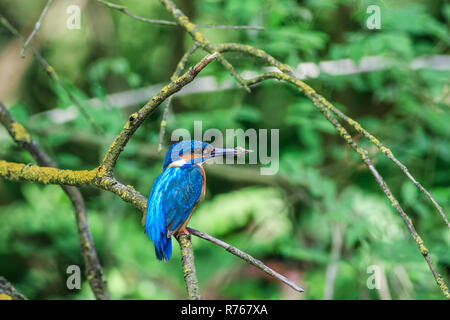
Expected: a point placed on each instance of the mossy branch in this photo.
(95, 178)
(8, 292)
(93, 269)
(191, 28)
(92, 178)
(137, 118)
(187, 262)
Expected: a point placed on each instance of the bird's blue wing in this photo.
(172, 198)
(182, 195)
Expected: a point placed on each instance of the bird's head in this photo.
(196, 152)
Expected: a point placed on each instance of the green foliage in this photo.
(286, 220)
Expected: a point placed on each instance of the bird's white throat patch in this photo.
(178, 163)
(182, 162)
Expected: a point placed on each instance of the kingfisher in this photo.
(177, 191)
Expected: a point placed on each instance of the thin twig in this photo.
(388, 153)
(93, 267)
(35, 29)
(180, 67)
(124, 10)
(51, 72)
(246, 257)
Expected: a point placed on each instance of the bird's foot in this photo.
(184, 232)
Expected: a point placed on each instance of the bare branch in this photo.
(124, 10)
(246, 257)
(35, 29)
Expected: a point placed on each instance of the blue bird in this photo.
(177, 191)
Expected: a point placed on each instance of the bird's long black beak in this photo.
(219, 152)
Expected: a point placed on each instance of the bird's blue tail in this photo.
(163, 248)
(163, 244)
(155, 227)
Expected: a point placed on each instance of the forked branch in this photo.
(93, 269)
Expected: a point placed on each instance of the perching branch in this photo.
(93, 269)
(187, 261)
(21, 172)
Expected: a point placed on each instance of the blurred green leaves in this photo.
(286, 220)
